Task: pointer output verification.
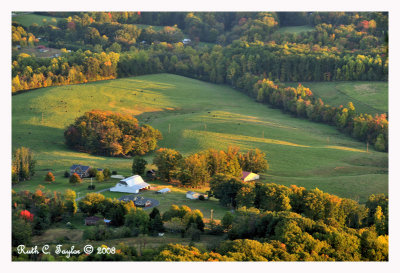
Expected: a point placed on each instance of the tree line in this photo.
(197, 169)
(251, 73)
(313, 204)
(301, 103)
(29, 72)
(224, 27)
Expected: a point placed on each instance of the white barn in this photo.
(131, 184)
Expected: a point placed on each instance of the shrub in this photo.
(75, 178)
(91, 187)
(49, 177)
(114, 172)
(201, 198)
(107, 173)
(100, 176)
(66, 174)
(92, 172)
(138, 165)
(215, 229)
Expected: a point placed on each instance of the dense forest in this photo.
(342, 46)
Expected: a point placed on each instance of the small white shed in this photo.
(165, 190)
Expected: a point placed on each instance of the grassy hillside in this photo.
(200, 116)
(28, 19)
(367, 97)
(295, 29)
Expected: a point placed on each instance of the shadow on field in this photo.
(39, 137)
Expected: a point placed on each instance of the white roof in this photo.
(117, 176)
(164, 190)
(130, 184)
(132, 180)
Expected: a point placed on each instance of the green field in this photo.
(295, 29)
(156, 28)
(28, 19)
(367, 97)
(200, 116)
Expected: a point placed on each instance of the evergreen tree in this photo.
(138, 165)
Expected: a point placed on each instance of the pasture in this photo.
(295, 29)
(192, 116)
(367, 97)
(27, 19)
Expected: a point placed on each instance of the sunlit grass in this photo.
(194, 116)
(28, 19)
(295, 29)
(367, 97)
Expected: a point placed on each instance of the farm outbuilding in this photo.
(186, 41)
(192, 195)
(131, 184)
(165, 190)
(117, 176)
(249, 176)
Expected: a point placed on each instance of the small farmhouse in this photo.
(131, 184)
(82, 171)
(192, 195)
(249, 176)
(142, 202)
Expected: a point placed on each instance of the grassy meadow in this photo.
(192, 116)
(295, 29)
(27, 19)
(367, 97)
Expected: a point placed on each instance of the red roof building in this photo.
(249, 176)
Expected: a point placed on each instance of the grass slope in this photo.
(28, 19)
(200, 116)
(367, 97)
(295, 29)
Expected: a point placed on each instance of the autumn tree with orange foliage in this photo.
(49, 177)
(111, 134)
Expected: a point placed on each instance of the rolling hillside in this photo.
(367, 97)
(193, 116)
